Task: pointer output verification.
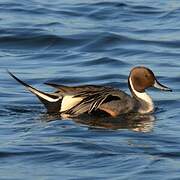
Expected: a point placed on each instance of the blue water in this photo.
(75, 42)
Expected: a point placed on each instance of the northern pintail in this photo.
(77, 100)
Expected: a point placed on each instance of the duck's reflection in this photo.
(139, 123)
(134, 122)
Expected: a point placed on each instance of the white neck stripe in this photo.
(143, 97)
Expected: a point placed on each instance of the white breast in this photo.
(68, 102)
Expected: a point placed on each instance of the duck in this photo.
(73, 101)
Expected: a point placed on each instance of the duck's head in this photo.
(141, 78)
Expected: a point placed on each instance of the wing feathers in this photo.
(73, 100)
(91, 101)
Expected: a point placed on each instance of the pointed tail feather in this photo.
(50, 101)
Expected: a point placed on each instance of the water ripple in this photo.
(91, 42)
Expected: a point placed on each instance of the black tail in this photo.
(51, 102)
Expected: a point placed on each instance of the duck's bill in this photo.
(161, 87)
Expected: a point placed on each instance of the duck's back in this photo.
(92, 98)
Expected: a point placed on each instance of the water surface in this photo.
(93, 42)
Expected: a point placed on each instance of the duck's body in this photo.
(90, 98)
(74, 101)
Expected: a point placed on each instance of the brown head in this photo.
(141, 78)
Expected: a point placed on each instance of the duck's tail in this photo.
(51, 102)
